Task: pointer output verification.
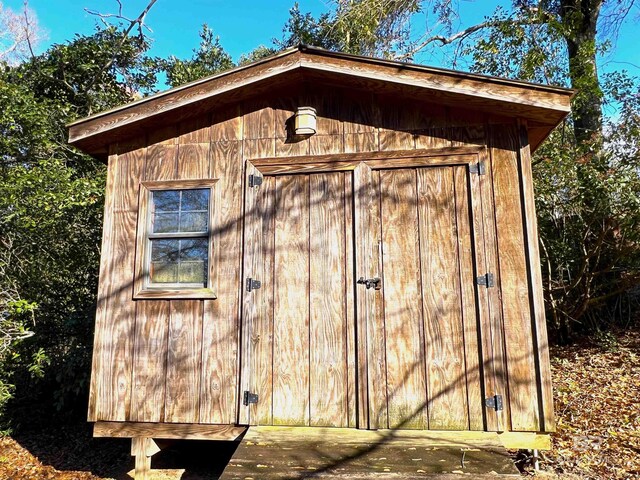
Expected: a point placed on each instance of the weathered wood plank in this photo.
(398, 120)
(291, 305)
(259, 121)
(453, 155)
(195, 130)
(535, 280)
(256, 348)
(116, 336)
(361, 142)
(346, 436)
(227, 124)
(220, 322)
(193, 161)
(435, 137)
(161, 162)
(98, 367)
(259, 148)
(165, 135)
(149, 361)
(468, 299)
(182, 431)
(328, 331)
(350, 282)
(287, 148)
(184, 352)
(142, 461)
(518, 334)
(360, 120)
(326, 144)
(262, 328)
(372, 370)
(441, 292)
(362, 198)
(406, 384)
(329, 136)
(480, 207)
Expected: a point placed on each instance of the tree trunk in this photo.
(579, 19)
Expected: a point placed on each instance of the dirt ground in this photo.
(597, 400)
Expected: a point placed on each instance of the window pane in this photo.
(165, 250)
(166, 200)
(193, 261)
(193, 222)
(193, 272)
(195, 199)
(161, 272)
(165, 222)
(195, 249)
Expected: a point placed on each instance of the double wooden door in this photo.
(366, 314)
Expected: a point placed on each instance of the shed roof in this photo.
(542, 106)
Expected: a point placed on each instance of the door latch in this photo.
(375, 282)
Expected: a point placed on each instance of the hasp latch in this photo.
(494, 402)
(255, 180)
(374, 283)
(253, 284)
(249, 398)
(486, 280)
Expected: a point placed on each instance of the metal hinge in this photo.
(494, 402)
(478, 168)
(486, 280)
(253, 284)
(249, 398)
(255, 180)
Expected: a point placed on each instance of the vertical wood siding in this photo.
(178, 361)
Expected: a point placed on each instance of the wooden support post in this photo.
(143, 448)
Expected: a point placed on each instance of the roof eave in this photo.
(91, 132)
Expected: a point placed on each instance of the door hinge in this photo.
(494, 402)
(486, 280)
(249, 398)
(255, 180)
(478, 168)
(253, 284)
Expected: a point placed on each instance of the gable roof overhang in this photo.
(543, 107)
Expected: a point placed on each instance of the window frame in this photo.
(143, 288)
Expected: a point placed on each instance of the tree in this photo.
(384, 27)
(51, 200)
(208, 59)
(19, 34)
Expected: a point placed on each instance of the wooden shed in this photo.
(322, 240)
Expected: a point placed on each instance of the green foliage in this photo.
(89, 74)
(303, 28)
(51, 202)
(256, 54)
(520, 46)
(588, 201)
(208, 59)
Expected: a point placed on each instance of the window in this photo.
(174, 240)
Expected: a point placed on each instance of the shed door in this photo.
(320, 348)
(414, 231)
(298, 326)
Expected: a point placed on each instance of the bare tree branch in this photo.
(139, 22)
(19, 32)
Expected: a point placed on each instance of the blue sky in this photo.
(243, 25)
